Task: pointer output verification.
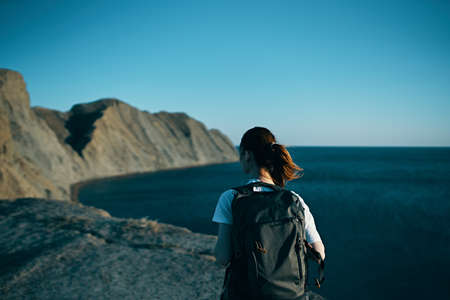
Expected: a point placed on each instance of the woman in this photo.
(263, 160)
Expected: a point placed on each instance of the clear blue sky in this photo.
(314, 72)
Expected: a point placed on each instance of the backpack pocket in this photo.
(274, 268)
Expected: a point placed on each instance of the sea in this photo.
(383, 213)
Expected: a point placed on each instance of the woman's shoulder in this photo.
(223, 213)
(228, 193)
(227, 196)
(295, 194)
(302, 202)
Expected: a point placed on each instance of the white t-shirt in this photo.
(222, 213)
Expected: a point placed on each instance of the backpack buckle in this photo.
(260, 248)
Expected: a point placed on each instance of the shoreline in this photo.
(75, 187)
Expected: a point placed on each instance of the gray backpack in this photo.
(268, 245)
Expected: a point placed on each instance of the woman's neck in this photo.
(263, 175)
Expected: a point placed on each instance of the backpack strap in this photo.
(321, 273)
(314, 255)
(248, 188)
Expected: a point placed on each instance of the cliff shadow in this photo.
(81, 126)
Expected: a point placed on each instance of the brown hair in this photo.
(270, 155)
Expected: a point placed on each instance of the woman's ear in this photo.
(247, 155)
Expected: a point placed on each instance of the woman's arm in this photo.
(319, 247)
(310, 229)
(222, 250)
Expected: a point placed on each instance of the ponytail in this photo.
(270, 155)
(283, 168)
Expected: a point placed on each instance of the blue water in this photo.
(383, 213)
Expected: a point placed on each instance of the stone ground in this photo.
(64, 250)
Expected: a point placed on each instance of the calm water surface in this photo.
(383, 213)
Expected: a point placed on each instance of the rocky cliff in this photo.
(43, 152)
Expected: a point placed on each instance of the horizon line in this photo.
(363, 146)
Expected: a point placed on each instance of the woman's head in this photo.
(269, 155)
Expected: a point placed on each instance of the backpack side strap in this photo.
(314, 255)
(321, 273)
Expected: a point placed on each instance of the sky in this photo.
(316, 73)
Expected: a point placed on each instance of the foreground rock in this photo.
(64, 250)
(58, 250)
(43, 152)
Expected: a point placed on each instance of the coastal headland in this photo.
(44, 151)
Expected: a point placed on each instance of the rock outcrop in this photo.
(43, 151)
(65, 250)
(30, 153)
